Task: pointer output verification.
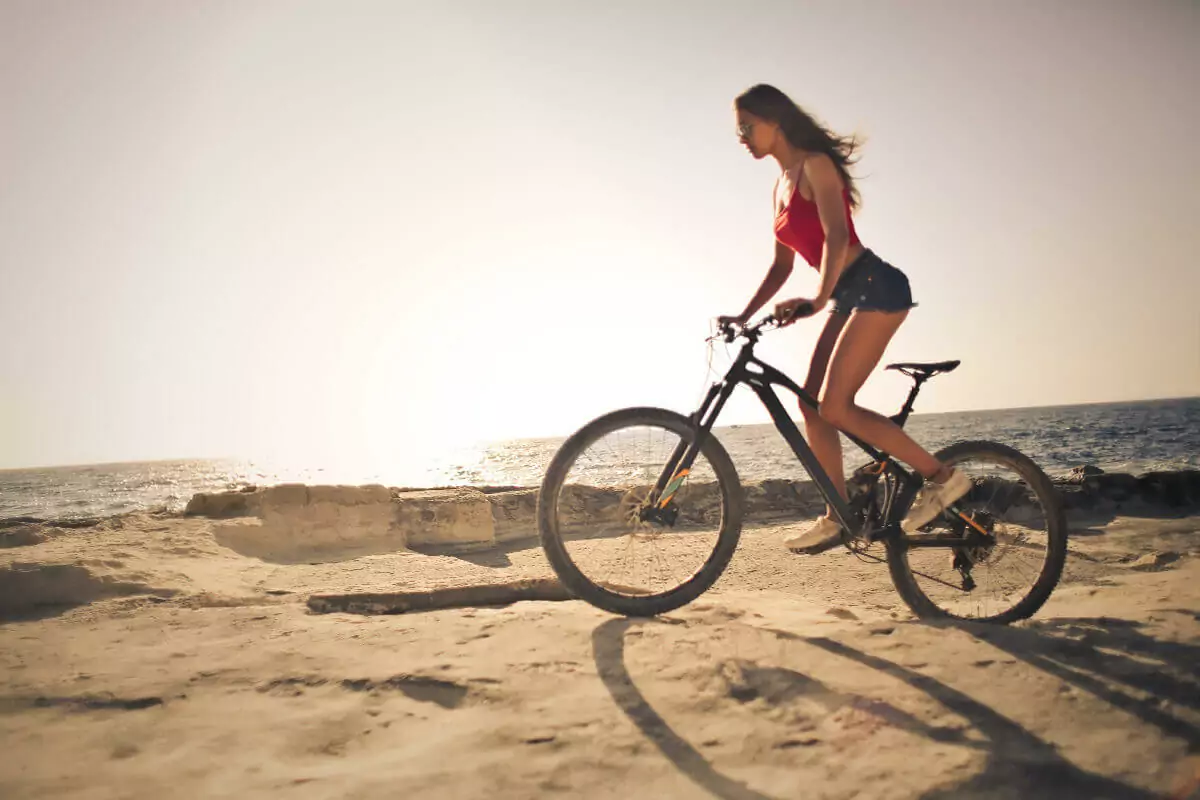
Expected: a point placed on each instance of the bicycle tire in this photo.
(1056, 530)
(575, 581)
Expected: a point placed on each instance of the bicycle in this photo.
(688, 507)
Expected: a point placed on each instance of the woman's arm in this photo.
(781, 268)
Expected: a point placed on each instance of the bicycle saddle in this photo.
(925, 370)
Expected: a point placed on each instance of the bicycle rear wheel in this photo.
(616, 546)
(1013, 542)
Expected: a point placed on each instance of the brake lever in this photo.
(729, 331)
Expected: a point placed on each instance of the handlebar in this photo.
(731, 330)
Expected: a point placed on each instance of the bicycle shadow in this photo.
(1113, 660)
(1018, 761)
(608, 651)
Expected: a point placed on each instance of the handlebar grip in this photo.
(803, 310)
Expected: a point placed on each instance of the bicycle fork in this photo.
(679, 465)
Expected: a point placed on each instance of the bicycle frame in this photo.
(761, 377)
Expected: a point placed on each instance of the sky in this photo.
(373, 230)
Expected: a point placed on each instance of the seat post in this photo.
(902, 417)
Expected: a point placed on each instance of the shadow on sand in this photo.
(1133, 671)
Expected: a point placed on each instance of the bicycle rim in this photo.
(615, 544)
(1013, 542)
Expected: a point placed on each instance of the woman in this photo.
(870, 298)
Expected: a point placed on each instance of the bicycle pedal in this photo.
(858, 546)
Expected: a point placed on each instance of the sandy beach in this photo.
(144, 659)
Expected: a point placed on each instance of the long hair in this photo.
(802, 131)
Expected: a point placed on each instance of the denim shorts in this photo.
(871, 284)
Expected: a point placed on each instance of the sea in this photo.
(1133, 437)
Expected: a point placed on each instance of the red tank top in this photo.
(798, 226)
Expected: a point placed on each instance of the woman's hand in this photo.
(789, 311)
(740, 319)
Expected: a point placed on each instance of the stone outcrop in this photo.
(297, 523)
(224, 505)
(514, 513)
(21, 536)
(1089, 488)
(293, 522)
(772, 500)
(454, 518)
(488, 594)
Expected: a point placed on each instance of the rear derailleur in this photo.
(977, 546)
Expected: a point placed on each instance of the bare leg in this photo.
(858, 351)
(823, 437)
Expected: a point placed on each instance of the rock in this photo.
(76, 523)
(223, 505)
(491, 594)
(598, 507)
(21, 536)
(1075, 501)
(514, 514)
(1001, 495)
(1079, 474)
(514, 511)
(293, 522)
(459, 518)
(329, 516)
(297, 523)
(1116, 485)
(1103, 491)
(283, 496)
(16, 522)
(1154, 561)
(369, 495)
(1174, 489)
(782, 499)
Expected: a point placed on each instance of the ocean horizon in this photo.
(1129, 436)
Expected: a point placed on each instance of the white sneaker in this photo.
(822, 535)
(933, 500)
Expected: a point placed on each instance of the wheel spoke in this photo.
(1014, 502)
(610, 552)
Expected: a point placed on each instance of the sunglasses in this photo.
(743, 130)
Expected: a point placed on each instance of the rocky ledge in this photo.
(309, 523)
(314, 523)
(1089, 488)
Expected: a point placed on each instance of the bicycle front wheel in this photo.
(997, 554)
(611, 540)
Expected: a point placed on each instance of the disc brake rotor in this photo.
(644, 520)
